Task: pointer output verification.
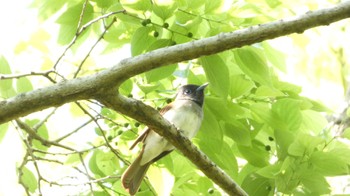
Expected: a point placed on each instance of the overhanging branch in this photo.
(87, 87)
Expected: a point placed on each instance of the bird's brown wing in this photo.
(144, 134)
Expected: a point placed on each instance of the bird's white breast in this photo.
(186, 116)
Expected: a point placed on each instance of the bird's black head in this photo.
(192, 92)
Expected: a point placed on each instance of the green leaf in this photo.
(315, 183)
(147, 88)
(73, 159)
(240, 85)
(69, 22)
(287, 87)
(283, 140)
(256, 154)
(305, 144)
(5, 69)
(166, 10)
(104, 3)
(270, 171)
(162, 72)
(141, 40)
(253, 63)
(267, 91)
(276, 57)
(126, 87)
(346, 133)
(206, 132)
(217, 74)
(313, 121)
(42, 132)
(288, 112)
(329, 164)
(254, 184)
(219, 108)
(29, 180)
(228, 160)
(93, 164)
(138, 5)
(3, 130)
(238, 132)
(24, 85)
(106, 162)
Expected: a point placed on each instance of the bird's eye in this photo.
(187, 91)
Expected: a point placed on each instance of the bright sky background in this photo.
(18, 22)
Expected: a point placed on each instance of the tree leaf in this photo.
(283, 140)
(164, 10)
(29, 180)
(288, 112)
(5, 69)
(315, 183)
(141, 40)
(3, 130)
(270, 171)
(93, 166)
(238, 132)
(106, 162)
(217, 74)
(240, 85)
(162, 72)
(24, 85)
(254, 184)
(69, 22)
(329, 164)
(253, 63)
(273, 55)
(256, 154)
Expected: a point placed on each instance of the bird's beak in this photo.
(202, 86)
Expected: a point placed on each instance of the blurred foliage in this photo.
(257, 127)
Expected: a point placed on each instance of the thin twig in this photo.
(93, 46)
(80, 31)
(32, 134)
(32, 73)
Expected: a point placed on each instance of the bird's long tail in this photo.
(133, 175)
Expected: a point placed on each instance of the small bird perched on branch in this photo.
(186, 114)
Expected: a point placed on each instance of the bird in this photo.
(185, 113)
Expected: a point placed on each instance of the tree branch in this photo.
(87, 87)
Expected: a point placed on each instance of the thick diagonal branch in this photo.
(87, 87)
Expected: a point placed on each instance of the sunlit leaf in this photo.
(164, 10)
(3, 130)
(240, 85)
(238, 132)
(106, 162)
(217, 74)
(5, 69)
(329, 164)
(255, 154)
(141, 40)
(256, 185)
(254, 64)
(29, 180)
(24, 85)
(273, 55)
(288, 112)
(69, 21)
(315, 183)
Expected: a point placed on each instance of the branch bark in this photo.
(103, 85)
(88, 87)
